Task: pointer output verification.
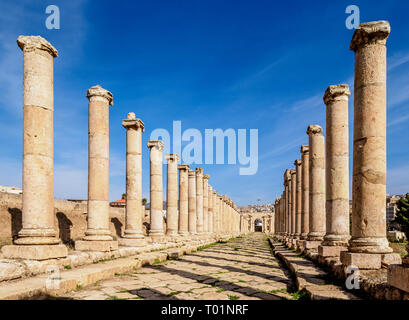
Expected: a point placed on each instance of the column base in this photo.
(130, 242)
(370, 261)
(398, 277)
(300, 245)
(34, 252)
(311, 245)
(91, 245)
(369, 245)
(330, 251)
(158, 238)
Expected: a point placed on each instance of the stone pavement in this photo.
(243, 268)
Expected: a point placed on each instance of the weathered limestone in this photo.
(317, 186)
(156, 191)
(98, 236)
(183, 200)
(293, 202)
(206, 203)
(210, 209)
(37, 239)
(298, 197)
(287, 184)
(134, 210)
(172, 218)
(369, 161)
(305, 197)
(337, 171)
(199, 200)
(192, 202)
(215, 212)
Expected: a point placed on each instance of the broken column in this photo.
(317, 187)
(37, 240)
(199, 200)
(183, 200)
(172, 218)
(156, 232)
(192, 202)
(205, 203)
(134, 210)
(98, 236)
(337, 172)
(368, 243)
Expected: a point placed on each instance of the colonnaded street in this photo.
(243, 268)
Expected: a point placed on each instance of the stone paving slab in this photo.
(241, 269)
(310, 278)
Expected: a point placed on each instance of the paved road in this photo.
(243, 268)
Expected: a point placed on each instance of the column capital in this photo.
(336, 93)
(30, 43)
(98, 91)
(210, 188)
(206, 177)
(314, 129)
(156, 144)
(183, 167)
(192, 173)
(375, 32)
(214, 192)
(172, 157)
(199, 172)
(297, 162)
(132, 122)
(287, 176)
(305, 149)
(292, 171)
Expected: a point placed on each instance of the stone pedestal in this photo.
(331, 251)
(307, 244)
(398, 277)
(156, 191)
(37, 239)
(134, 211)
(98, 236)
(361, 260)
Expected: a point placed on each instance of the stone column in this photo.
(37, 240)
(287, 176)
(298, 178)
(292, 190)
(172, 218)
(317, 186)
(134, 210)
(337, 172)
(98, 236)
(205, 203)
(369, 159)
(183, 200)
(156, 191)
(210, 209)
(192, 202)
(215, 212)
(199, 200)
(305, 197)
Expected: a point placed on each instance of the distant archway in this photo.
(258, 225)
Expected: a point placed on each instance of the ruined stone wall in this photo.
(70, 219)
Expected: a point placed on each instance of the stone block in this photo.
(391, 258)
(34, 252)
(361, 260)
(129, 242)
(102, 246)
(398, 277)
(311, 244)
(10, 269)
(331, 251)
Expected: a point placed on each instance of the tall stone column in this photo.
(215, 212)
(317, 186)
(98, 236)
(156, 191)
(287, 197)
(183, 200)
(206, 203)
(192, 202)
(337, 171)
(298, 199)
(134, 210)
(37, 240)
(172, 218)
(199, 200)
(210, 209)
(305, 197)
(369, 160)
(292, 185)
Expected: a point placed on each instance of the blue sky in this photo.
(211, 64)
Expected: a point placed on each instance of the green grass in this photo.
(299, 295)
(79, 287)
(220, 290)
(114, 298)
(236, 249)
(242, 281)
(67, 267)
(233, 297)
(174, 293)
(157, 261)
